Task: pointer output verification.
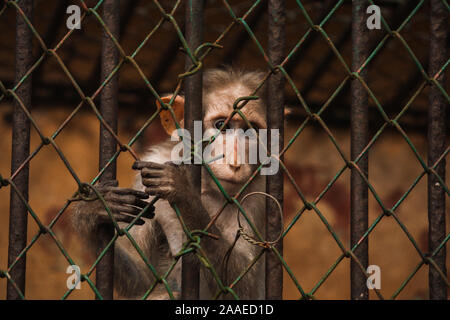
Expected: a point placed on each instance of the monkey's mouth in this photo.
(232, 176)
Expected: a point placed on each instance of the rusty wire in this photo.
(196, 51)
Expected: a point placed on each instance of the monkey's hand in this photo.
(124, 204)
(168, 180)
(171, 182)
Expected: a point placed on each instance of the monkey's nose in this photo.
(235, 163)
(235, 166)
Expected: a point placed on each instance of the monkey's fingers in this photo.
(133, 210)
(105, 186)
(130, 210)
(125, 199)
(131, 201)
(119, 217)
(139, 165)
(162, 191)
(152, 173)
(154, 182)
(124, 208)
(128, 191)
(149, 213)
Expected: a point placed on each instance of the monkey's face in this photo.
(236, 146)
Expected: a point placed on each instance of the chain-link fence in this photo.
(276, 55)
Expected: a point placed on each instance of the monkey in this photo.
(161, 238)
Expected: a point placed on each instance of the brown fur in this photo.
(162, 237)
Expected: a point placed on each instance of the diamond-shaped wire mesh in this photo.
(194, 243)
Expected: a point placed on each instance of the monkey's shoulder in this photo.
(159, 153)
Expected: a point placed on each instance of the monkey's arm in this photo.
(132, 277)
(171, 182)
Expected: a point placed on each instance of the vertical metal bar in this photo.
(275, 120)
(436, 147)
(20, 151)
(240, 41)
(192, 112)
(108, 144)
(359, 139)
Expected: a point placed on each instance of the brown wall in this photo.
(309, 248)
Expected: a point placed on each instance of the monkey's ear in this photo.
(166, 117)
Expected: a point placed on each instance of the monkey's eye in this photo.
(219, 123)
